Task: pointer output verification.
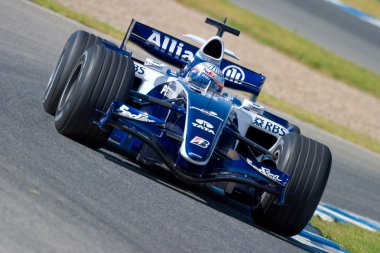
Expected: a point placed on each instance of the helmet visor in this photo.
(200, 80)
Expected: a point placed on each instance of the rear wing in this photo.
(179, 53)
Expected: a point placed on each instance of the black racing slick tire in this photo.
(77, 43)
(294, 128)
(100, 76)
(308, 163)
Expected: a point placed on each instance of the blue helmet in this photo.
(205, 77)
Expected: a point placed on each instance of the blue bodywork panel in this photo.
(197, 122)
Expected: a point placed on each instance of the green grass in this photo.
(303, 115)
(371, 7)
(290, 43)
(88, 21)
(350, 237)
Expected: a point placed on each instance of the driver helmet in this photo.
(205, 77)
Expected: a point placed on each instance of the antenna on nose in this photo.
(222, 27)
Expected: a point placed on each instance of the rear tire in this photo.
(295, 128)
(100, 76)
(77, 43)
(308, 163)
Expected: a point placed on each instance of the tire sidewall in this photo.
(67, 110)
(100, 77)
(74, 48)
(58, 68)
(308, 164)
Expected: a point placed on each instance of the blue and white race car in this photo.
(170, 111)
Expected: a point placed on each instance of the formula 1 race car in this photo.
(168, 110)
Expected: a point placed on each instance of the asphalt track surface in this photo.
(59, 196)
(326, 25)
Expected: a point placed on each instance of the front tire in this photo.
(100, 76)
(77, 43)
(308, 163)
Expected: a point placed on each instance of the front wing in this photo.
(154, 132)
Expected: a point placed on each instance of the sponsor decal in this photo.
(269, 126)
(170, 46)
(234, 74)
(155, 65)
(171, 72)
(251, 106)
(140, 70)
(213, 68)
(204, 125)
(124, 111)
(265, 171)
(199, 141)
(257, 108)
(168, 92)
(228, 97)
(259, 122)
(209, 73)
(208, 113)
